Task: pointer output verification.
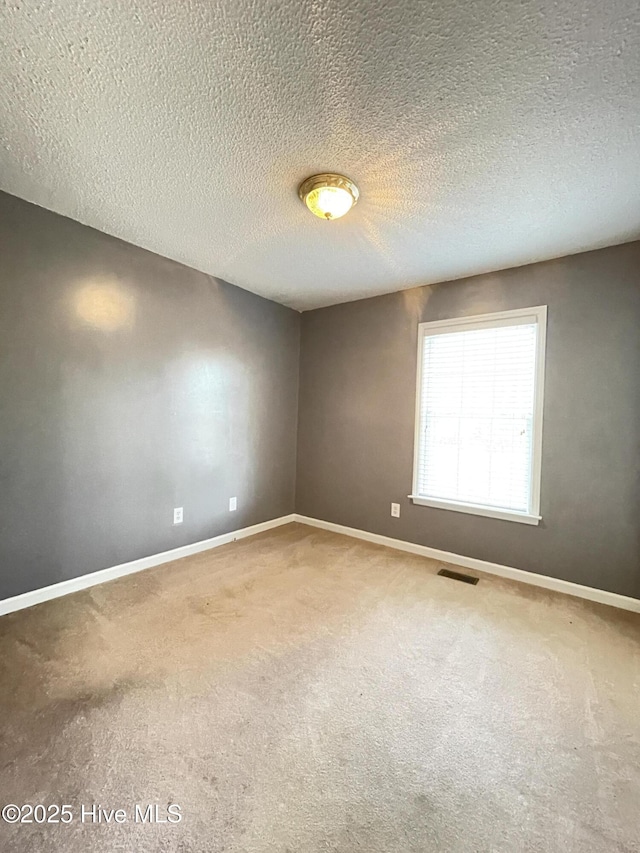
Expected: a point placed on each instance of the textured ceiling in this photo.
(482, 134)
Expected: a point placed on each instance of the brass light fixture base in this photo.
(328, 195)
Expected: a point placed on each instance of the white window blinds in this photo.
(479, 412)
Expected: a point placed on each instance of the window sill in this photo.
(477, 509)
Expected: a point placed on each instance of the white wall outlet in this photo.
(395, 510)
(178, 515)
(233, 504)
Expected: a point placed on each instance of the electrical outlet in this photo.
(233, 504)
(395, 510)
(178, 515)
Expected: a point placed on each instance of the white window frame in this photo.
(538, 315)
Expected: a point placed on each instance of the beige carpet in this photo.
(301, 691)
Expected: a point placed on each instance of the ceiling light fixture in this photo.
(328, 196)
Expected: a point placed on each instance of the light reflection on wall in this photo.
(415, 301)
(104, 304)
(212, 396)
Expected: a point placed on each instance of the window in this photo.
(479, 414)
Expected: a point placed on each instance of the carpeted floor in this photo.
(300, 692)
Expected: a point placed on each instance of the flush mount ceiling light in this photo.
(328, 196)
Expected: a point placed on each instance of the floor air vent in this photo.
(456, 576)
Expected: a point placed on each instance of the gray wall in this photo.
(356, 418)
(130, 385)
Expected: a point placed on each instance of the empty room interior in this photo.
(320, 426)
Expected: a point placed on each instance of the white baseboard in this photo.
(28, 599)
(601, 596)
